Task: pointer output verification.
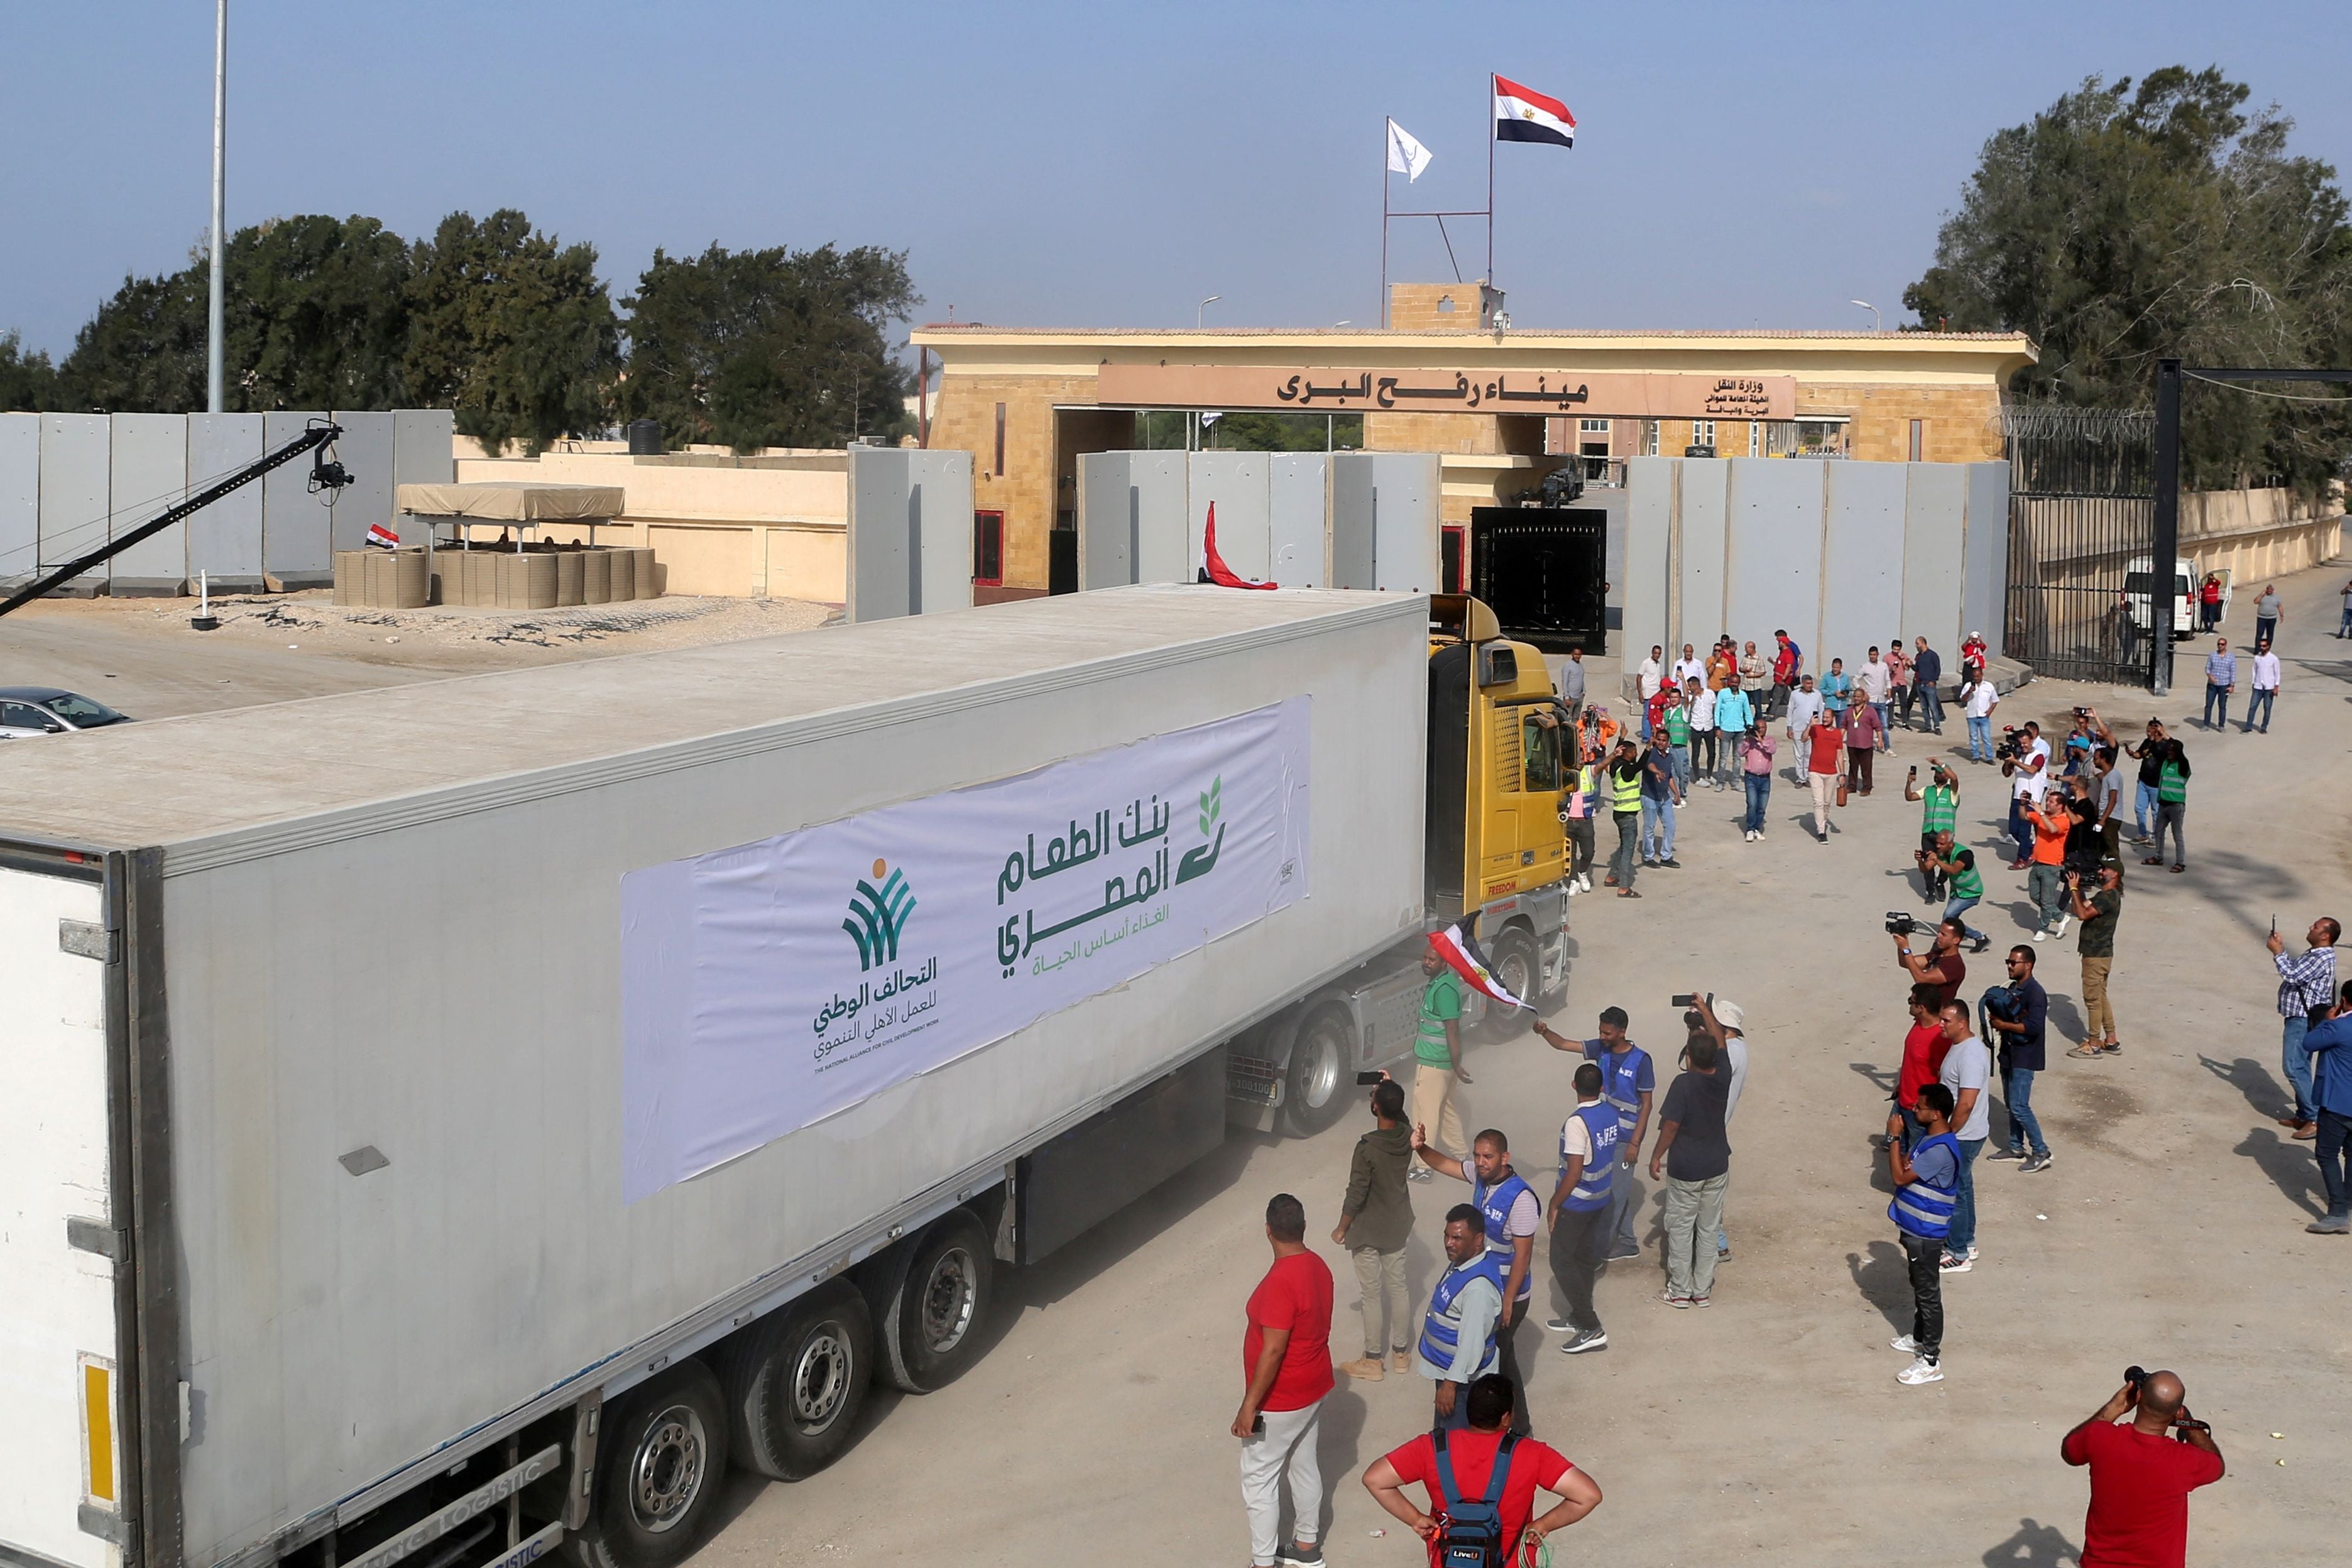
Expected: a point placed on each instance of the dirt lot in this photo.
(141, 656)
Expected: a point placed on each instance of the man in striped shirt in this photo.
(2306, 985)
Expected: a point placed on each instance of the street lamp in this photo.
(1200, 314)
(1878, 322)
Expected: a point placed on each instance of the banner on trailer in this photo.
(767, 987)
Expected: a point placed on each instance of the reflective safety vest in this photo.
(1580, 802)
(2170, 786)
(1922, 1209)
(1940, 807)
(1495, 1203)
(1441, 1330)
(1620, 1075)
(1600, 1173)
(1624, 793)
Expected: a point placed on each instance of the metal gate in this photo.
(1542, 571)
(2081, 510)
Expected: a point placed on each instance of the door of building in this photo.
(1542, 571)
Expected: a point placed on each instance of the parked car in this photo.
(48, 710)
(2139, 576)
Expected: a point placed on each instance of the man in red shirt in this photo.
(1286, 1358)
(1922, 1058)
(1533, 1464)
(2140, 1477)
(1824, 761)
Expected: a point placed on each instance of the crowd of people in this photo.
(1962, 1098)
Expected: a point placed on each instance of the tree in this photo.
(512, 330)
(2124, 224)
(28, 383)
(769, 348)
(314, 316)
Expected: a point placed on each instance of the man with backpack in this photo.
(1481, 1484)
(1926, 1189)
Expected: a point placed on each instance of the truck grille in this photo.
(1251, 1079)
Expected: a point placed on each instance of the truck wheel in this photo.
(1519, 970)
(936, 1301)
(661, 1458)
(1315, 1088)
(796, 1383)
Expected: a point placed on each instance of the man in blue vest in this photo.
(1457, 1336)
(1926, 1189)
(1510, 1214)
(1580, 1209)
(1629, 1081)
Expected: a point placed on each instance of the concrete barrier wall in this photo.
(1842, 554)
(224, 538)
(909, 532)
(149, 474)
(20, 496)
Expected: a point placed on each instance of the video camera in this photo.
(2010, 746)
(1902, 923)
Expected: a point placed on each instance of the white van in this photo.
(2137, 579)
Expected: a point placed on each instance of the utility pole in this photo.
(2166, 547)
(214, 378)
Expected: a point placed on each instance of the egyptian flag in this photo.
(1524, 116)
(1217, 571)
(383, 538)
(1460, 951)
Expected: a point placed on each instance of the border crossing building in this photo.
(1502, 406)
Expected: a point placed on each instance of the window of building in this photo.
(1918, 440)
(1755, 439)
(1808, 437)
(999, 469)
(1702, 432)
(988, 546)
(1450, 565)
(1446, 304)
(1649, 438)
(1592, 438)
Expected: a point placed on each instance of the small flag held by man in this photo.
(1522, 114)
(1461, 954)
(383, 538)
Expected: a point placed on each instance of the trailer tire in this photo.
(1520, 970)
(1315, 1084)
(660, 1459)
(797, 1381)
(934, 1303)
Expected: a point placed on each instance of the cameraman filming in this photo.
(1940, 966)
(1956, 864)
(2140, 1479)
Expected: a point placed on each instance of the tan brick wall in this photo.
(1413, 306)
(1962, 423)
(1025, 491)
(1471, 432)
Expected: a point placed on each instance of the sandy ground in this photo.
(140, 655)
(1769, 1428)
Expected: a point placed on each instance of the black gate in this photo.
(2082, 530)
(1542, 571)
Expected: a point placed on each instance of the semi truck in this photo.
(448, 1123)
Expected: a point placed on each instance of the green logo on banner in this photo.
(878, 914)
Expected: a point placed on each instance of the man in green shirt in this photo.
(1944, 859)
(1437, 1061)
(1939, 814)
(2097, 906)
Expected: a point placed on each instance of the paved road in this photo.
(1771, 1424)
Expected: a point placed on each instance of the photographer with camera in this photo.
(2016, 1015)
(2140, 1478)
(2149, 755)
(1940, 966)
(2098, 900)
(2025, 763)
(1957, 862)
(2045, 880)
(1939, 813)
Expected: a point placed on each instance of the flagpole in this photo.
(1384, 224)
(1490, 183)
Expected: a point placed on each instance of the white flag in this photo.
(1406, 156)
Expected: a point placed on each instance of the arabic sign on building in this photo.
(1464, 389)
(766, 987)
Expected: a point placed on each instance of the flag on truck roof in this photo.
(1406, 156)
(1461, 952)
(1217, 571)
(382, 536)
(1524, 115)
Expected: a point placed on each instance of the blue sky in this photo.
(1096, 165)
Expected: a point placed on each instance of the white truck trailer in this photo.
(445, 1120)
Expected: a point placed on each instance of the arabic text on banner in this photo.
(766, 987)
